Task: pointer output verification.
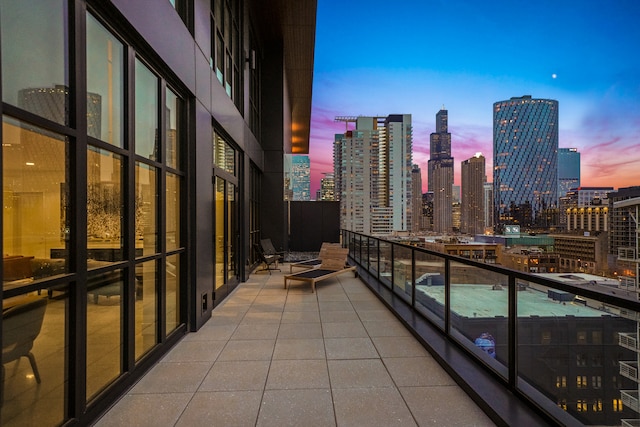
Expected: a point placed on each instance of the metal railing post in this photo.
(413, 278)
(513, 332)
(447, 297)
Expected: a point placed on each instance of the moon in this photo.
(554, 75)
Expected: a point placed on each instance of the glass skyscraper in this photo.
(525, 153)
(301, 178)
(568, 170)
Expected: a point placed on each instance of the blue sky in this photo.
(378, 58)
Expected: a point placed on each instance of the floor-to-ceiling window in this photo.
(36, 165)
(227, 56)
(226, 213)
(93, 180)
(254, 211)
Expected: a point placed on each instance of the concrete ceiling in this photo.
(293, 22)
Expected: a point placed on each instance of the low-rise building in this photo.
(585, 252)
(530, 260)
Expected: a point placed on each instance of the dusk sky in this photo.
(375, 58)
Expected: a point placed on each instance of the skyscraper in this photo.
(488, 206)
(568, 170)
(623, 233)
(396, 166)
(525, 156)
(416, 195)
(372, 165)
(327, 187)
(472, 197)
(301, 178)
(440, 173)
(337, 165)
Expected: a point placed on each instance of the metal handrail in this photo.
(362, 245)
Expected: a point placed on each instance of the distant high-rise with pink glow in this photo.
(440, 174)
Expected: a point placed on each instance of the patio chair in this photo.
(315, 262)
(269, 249)
(333, 264)
(21, 326)
(267, 260)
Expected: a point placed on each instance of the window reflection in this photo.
(145, 317)
(146, 110)
(34, 57)
(173, 108)
(172, 271)
(104, 84)
(34, 391)
(173, 212)
(103, 329)
(224, 156)
(219, 230)
(104, 206)
(146, 209)
(35, 220)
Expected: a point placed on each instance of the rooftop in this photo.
(466, 299)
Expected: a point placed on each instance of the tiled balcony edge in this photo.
(487, 391)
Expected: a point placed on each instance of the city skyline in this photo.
(464, 57)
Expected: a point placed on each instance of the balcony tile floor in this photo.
(276, 357)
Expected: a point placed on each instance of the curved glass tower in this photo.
(525, 171)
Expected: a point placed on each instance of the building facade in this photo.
(586, 209)
(140, 163)
(582, 252)
(416, 196)
(568, 170)
(374, 173)
(472, 195)
(488, 207)
(525, 156)
(327, 188)
(623, 234)
(440, 174)
(301, 178)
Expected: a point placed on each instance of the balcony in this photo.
(415, 326)
(271, 356)
(535, 335)
(627, 254)
(629, 370)
(630, 399)
(629, 341)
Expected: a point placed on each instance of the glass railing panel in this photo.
(356, 247)
(430, 287)
(385, 263)
(373, 256)
(579, 353)
(479, 310)
(402, 266)
(364, 253)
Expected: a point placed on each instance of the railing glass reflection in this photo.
(570, 349)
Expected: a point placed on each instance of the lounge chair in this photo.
(333, 263)
(267, 260)
(313, 263)
(268, 249)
